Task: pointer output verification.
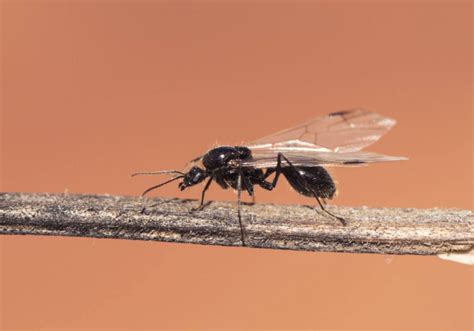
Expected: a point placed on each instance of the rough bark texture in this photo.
(369, 230)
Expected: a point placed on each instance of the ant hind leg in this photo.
(305, 183)
(340, 219)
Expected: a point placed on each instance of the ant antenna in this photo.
(160, 185)
(157, 173)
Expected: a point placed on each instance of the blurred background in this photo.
(95, 90)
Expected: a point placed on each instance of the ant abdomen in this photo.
(309, 180)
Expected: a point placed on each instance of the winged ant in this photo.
(299, 154)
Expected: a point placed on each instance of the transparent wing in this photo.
(267, 158)
(343, 131)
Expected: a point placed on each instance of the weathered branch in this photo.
(369, 230)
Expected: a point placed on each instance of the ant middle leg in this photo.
(239, 202)
(277, 170)
(249, 188)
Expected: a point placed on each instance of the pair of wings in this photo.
(335, 139)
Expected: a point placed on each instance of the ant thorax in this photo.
(220, 157)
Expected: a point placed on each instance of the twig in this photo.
(369, 230)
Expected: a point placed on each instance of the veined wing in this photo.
(343, 131)
(267, 158)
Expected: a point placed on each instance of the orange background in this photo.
(95, 90)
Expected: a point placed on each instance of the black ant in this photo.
(298, 153)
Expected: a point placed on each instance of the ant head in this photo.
(194, 176)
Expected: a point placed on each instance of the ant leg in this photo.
(239, 193)
(249, 187)
(342, 220)
(277, 170)
(253, 199)
(203, 193)
(268, 172)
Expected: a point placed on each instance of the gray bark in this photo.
(369, 230)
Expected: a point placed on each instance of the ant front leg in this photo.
(203, 193)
